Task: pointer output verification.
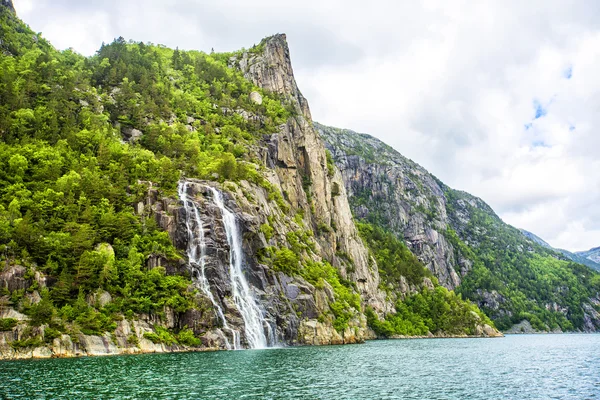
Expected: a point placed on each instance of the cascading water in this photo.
(254, 319)
(196, 252)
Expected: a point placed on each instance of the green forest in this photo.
(426, 309)
(528, 277)
(68, 180)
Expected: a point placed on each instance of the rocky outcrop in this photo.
(297, 156)
(397, 193)
(128, 338)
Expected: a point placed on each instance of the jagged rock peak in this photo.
(268, 65)
(8, 4)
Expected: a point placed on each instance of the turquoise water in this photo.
(514, 367)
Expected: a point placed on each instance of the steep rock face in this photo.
(297, 155)
(293, 308)
(462, 241)
(313, 203)
(397, 193)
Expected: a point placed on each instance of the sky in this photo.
(497, 98)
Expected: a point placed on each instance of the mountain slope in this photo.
(153, 199)
(462, 241)
(592, 254)
(576, 257)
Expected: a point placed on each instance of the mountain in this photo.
(592, 254)
(156, 200)
(536, 239)
(580, 259)
(462, 242)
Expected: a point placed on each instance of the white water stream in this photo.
(196, 252)
(254, 320)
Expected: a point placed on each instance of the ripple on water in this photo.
(515, 367)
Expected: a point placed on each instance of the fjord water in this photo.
(514, 367)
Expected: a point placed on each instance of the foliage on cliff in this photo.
(431, 309)
(69, 182)
(532, 281)
(509, 276)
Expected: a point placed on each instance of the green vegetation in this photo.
(27, 343)
(346, 304)
(286, 261)
(186, 337)
(330, 164)
(162, 335)
(436, 310)
(68, 182)
(530, 280)
(393, 258)
(6, 324)
(267, 230)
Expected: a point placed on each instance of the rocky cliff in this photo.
(8, 4)
(388, 189)
(462, 241)
(297, 155)
(295, 165)
(184, 200)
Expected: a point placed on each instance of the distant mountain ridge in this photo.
(591, 258)
(592, 254)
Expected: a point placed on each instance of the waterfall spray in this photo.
(196, 252)
(254, 319)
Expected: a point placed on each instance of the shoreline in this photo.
(42, 353)
(49, 352)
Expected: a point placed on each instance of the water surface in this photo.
(514, 367)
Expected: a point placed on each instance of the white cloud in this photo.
(450, 84)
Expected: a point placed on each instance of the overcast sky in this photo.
(497, 98)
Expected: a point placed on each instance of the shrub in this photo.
(50, 334)
(133, 339)
(42, 312)
(267, 230)
(162, 335)
(187, 338)
(285, 261)
(25, 343)
(6, 324)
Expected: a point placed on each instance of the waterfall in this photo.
(196, 252)
(254, 320)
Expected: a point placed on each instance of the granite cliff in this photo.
(462, 241)
(186, 201)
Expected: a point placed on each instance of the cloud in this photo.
(499, 99)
